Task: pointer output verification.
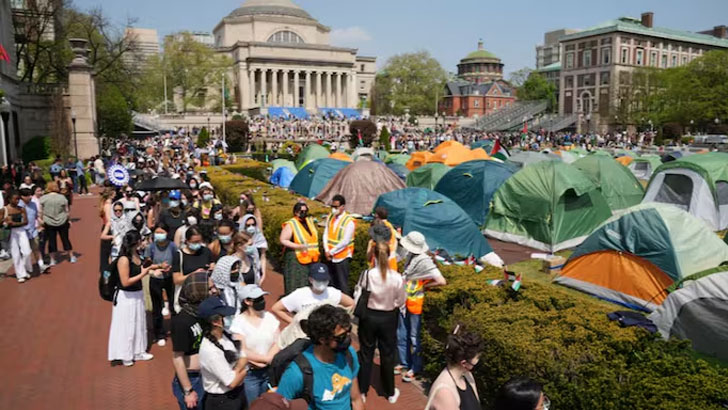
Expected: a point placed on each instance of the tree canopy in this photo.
(409, 81)
(536, 87)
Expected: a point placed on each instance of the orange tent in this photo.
(455, 155)
(418, 159)
(624, 160)
(479, 153)
(448, 144)
(341, 156)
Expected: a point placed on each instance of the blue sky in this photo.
(447, 29)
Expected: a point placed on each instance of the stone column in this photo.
(296, 97)
(274, 87)
(82, 100)
(251, 89)
(307, 99)
(353, 93)
(263, 90)
(318, 91)
(285, 89)
(243, 88)
(329, 91)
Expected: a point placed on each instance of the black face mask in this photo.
(342, 345)
(302, 215)
(259, 304)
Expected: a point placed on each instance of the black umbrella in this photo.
(161, 184)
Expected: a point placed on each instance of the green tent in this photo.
(618, 186)
(443, 223)
(548, 205)
(472, 185)
(621, 152)
(312, 178)
(277, 163)
(400, 159)
(526, 158)
(310, 153)
(427, 175)
(642, 167)
(382, 154)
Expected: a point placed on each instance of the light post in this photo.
(208, 126)
(75, 139)
(4, 116)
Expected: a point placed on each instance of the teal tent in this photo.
(487, 145)
(443, 223)
(312, 178)
(472, 185)
(310, 153)
(427, 175)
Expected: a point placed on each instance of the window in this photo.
(606, 55)
(569, 82)
(684, 60)
(676, 189)
(663, 63)
(587, 58)
(362, 84)
(573, 202)
(476, 103)
(362, 68)
(569, 60)
(285, 36)
(604, 78)
(653, 59)
(640, 55)
(674, 61)
(625, 56)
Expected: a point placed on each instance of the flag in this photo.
(500, 152)
(361, 142)
(478, 268)
(517, 283)
(4, 54)
(470, 260)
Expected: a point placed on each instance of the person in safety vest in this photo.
(380, 218)
(339, 243)
(300, 238)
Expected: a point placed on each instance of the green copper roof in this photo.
(634, 26)
(480, 54)
(551, 67)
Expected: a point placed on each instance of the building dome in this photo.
(270, 8)
(480, 66)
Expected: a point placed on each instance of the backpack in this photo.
(109, 282)
(294, 353)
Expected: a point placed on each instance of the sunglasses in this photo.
(342, 337)
(118, 210)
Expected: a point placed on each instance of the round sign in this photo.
(118, 175)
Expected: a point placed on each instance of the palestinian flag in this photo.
(4, 54)
(517, 283)
(499, 152)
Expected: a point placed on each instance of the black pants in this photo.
(62, 230)
(82, 184)
(156, 286)
(378, 328)
(340, 275)
(42, 243)
(232, 400)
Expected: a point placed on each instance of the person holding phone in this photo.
(193, 257)
(162, 252)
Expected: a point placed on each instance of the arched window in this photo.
(285, 36)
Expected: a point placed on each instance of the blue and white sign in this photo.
(118, 175)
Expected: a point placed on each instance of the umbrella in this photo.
(161, 184)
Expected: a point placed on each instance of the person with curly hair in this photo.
(455, 387)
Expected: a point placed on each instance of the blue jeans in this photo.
(196, 381)
(255, 384)
(408, 341)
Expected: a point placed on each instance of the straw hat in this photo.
(415, 243)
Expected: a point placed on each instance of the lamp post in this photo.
(4, 116)
(208, 125)
(75, 139)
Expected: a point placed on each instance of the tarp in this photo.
(548, 205)
(282, 177)
(310, 153)
(472, 185)
(277, 163)
(427, 176)
(625, 160)
(443, 223)
(616, 183)
(341, 156)
(361, 183)
(418, 159)
(312, 178)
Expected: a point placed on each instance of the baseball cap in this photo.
(205, 185)
(252, 292)
(175, 194)
(274, 401)
(380, 233)
(214, 306)
(319, 271)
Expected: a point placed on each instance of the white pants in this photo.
(20, 251)
(128, 333)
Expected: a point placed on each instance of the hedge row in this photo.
(566, 341)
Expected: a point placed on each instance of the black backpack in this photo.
(109, 282)
(294, 353)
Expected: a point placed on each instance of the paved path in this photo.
(54, 334)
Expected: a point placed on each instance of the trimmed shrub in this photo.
(368, 132)
(203, 138)
(37, 148)
(236, 135)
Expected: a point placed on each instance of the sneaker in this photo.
(4, 254)
(43, 267)
(53, 262)
(393, 399)
(409, 376)
(161, 342)
(165, 310)
(128, 363)
(73, 259)
(21, 280)
(143, 356)
(398, 369)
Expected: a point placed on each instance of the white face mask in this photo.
(191, 220)
(319, 286)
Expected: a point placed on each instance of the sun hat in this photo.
(415, 243)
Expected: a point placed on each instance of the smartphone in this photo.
(147, 262)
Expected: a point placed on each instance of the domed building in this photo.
(479, 88)
(284, 63)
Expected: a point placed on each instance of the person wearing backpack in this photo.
(128, 332)
(325, 371)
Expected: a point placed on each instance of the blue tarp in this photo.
(399, 169)
(282, 177)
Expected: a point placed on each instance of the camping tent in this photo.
(487, 145)
(448, 145)
(455, 154)
(341, 156)
(525, 158)
(472, 185)
(418, 159)
(698, 312)
(399, 169)
(282, 177)
(548, 205)
(624, 160)
(361, 183)
(671, 156)
(635, 256)
(427, 175)
(312, 178)
(310, 153)
(618, 186)
(363, 153)
(277, 163)
(643, 167)
(695, 183)
(444, 224)
(397, 159)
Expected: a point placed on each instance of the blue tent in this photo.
(282, 177)
(399, 169)
(312, 178)
(444, 224)
(472, 185)
(487, 145)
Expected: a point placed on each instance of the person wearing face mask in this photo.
(223, 243)
(339, 243)
(194, 257)
(173, 216)
(332, 360)
(258, 331)
(300, 238)
(192, 216)
(207, 201)
(161, 252)
(247, 207)
(455, 387)
(128, 331)
(130, 200)
(316, 293)
(249, 225)
(250, 271)
(228, 280)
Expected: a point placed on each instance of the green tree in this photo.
(517, 78)
(384, 138)
(536, 87)
(203, 138)
(114, 113)
(409, 81)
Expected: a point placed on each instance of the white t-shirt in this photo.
(300, 298)
(258, 339)
(217, 373)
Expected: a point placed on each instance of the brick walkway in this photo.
(54, 337)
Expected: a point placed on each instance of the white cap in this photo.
(252, 292)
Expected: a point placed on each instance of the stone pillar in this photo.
(296, 97)
(329, 91)
(353, 93)
(318, 91)
(82, 100)
(251, 88)
(285, 89)
(307, 99)
(243, 88)
(263, 90)
(274, 87)
(338, 94)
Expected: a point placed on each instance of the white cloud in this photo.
(350, 36)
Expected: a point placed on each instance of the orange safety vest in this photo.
(336, 234)
(302, 237)
(415, 290)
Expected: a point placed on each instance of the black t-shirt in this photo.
(172, 222)
(191, 263)
(186, 334)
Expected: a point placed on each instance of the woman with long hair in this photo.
(223, 243)
(193, 257)
(65, 184)
(16, 219)
(378, 324)
(250, 272)
(128, 332)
